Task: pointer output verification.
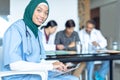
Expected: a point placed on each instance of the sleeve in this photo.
(57, 38)
(27, 66)
(102, 41)
(12, 46)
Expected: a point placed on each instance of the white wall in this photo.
(118, 21)
(3, 26)
(17, 9)
(108, 20)
(60, 10)
(98, 3)
(108, 17)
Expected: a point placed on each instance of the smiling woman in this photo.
(35, 15)
(23, 48)
(40, 14)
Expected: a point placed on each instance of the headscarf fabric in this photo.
(28, 14)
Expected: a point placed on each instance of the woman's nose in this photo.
(42, 15)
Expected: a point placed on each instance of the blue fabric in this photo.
(36, 77)
(102, 71)
(61, 77)
(18, 47)
(98, 77)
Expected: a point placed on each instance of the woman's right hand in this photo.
(60, 66)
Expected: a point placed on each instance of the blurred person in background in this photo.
(48, 35)
(92, 40)
(66, 40)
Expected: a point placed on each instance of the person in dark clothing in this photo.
(66, 39)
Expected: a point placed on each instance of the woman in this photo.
(23, 49)
(48, 35)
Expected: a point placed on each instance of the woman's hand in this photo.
(60, 66)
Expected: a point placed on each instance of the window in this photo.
(4, 7)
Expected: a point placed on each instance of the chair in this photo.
(96, 63)
(9, 73)
(43, 74)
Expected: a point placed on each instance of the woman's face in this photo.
(53, 29)
(40, 14)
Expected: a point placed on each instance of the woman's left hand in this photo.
(60, 66)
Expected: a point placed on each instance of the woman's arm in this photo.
(26, 66)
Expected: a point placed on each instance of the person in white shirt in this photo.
(48, 35)
(91, 40)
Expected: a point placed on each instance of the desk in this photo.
(87, 57)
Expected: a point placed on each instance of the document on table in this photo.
(59, 52)
(109, 51)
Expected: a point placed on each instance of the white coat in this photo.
(95, 35)
(48, 46)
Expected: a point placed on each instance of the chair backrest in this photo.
(1, 53)
(1, 58)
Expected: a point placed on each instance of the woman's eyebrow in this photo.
(39, 7)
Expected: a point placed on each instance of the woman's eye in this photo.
(39, 10)
(46, 13)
